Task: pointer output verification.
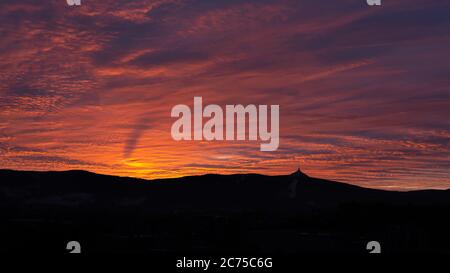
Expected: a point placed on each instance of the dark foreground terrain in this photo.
(232, 214)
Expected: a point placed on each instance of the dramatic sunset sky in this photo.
(364, 92)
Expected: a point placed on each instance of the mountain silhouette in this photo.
(215, 213)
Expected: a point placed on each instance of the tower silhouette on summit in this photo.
(298, 176)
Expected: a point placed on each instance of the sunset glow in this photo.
(364, 93)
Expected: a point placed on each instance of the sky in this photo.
(364, 92)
